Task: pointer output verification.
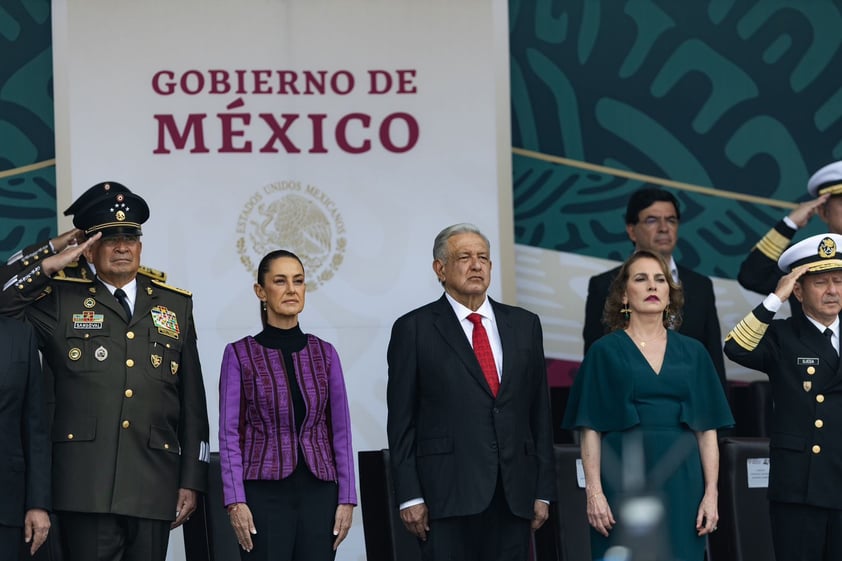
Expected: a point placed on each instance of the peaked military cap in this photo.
(111, 208)
(827, 180)
(821, 252)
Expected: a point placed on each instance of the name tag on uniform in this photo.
(807, 361)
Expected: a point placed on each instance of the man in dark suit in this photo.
(652, 219)
(469, 425)
(130, 426)
(24, 444)
(800, 355)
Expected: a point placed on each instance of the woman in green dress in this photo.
(648, 403)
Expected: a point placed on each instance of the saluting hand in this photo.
(787, 282)
(68, 250)
(806, 210)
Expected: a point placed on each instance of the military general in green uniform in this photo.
(130, 425)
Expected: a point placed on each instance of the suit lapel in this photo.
(451, 331)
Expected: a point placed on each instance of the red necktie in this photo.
(482, 348)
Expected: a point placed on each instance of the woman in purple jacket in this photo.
(285, 430)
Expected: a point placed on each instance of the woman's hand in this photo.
(342, 523)
(708, 516)
(599, 513)
(240, 516)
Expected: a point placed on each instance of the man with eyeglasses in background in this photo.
(130, 425)
(652, 220)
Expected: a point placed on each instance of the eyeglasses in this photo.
(655, 221)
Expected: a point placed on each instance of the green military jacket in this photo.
(130, 424)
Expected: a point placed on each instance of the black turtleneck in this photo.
(288, 341)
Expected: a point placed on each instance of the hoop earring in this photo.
(626, 311)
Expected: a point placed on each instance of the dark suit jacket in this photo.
(448, 436)
(24, 444)
(130, 424)
(806, 382)
(700, 319)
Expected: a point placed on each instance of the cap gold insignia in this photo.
(827, 248)
(156, 360)
(89, 303)
(173, 367)
(120, 215)
(101, 353)
(74, 354)
(811, 370)
(807, 386)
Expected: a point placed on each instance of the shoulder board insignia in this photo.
(46, 292)
(152, 273)
(61, 276)
(156, 282)
(74, 271)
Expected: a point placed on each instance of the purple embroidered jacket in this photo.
(256, 420)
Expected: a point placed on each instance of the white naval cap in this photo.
(820, 251)
(827, 180)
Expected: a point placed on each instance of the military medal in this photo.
(156, 360)
(89, 303)
(807, 385)
(101, 353)
(74, 354)
(173, 367)
(166, 322)
(88, 320)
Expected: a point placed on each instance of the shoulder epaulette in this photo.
(156, 282)
(63, 276)
(75, 271)
(152, 273)
(46, 292)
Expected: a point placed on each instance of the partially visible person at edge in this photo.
(470, 435)
(800, 354)
(24, 444)
(759, 272)
(285, 429)
(130, 426)
(648, 384)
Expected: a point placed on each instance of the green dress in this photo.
(617, 394)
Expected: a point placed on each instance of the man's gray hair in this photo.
(440, 245)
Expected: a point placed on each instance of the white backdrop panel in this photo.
(364, 222)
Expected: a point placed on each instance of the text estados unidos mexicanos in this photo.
(353, 133)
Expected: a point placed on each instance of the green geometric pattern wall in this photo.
(27, 145)
(725, 96)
